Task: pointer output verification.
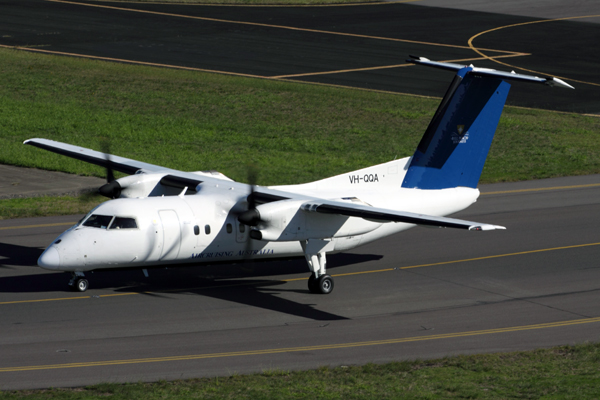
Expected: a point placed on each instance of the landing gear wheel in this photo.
(81, 285)
(312, 284)
(324, 284)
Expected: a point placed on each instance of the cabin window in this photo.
(123, 223)
(196, 230)
(229, 228)
(207, 229)
(242, 228)
(98, 221)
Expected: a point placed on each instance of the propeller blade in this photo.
(250, 217)
(111, 189)
(105, 147)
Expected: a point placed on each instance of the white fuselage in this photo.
(204, 228)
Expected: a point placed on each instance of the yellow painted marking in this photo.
(135, 293)
(520, 253)
(477, 50)
(68, 298)
(36, 226)
(61, 53)
(303, 348)
(463, 260)
(271, 26)
(274, 5)
(44, 300)
(544, 189)
(302, 279)
(386, 67)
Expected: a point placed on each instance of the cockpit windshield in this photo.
(110, 222)
(123, 223)
(98, 221)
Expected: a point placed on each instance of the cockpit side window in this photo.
(98, 221)
(123, 223)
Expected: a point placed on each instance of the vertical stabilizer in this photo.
(456, 143)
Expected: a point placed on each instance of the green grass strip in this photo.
(48, 206)
(565, 372)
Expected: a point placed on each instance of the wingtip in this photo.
(485, 227)
(559, 83)
(31, 141)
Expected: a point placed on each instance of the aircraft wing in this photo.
(172, 177)
(323, 206)
(262, 194)
(121, 164)
(386, 215)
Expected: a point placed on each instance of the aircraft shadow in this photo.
(247, 283)
(230, 282)
(15, 255)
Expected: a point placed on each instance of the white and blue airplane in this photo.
(160, 216)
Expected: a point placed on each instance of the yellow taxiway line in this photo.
(380, 67)
(479, 50)
(292, 28)
(2, 228)
(589, 185)
(304, 278)
(334, 346)
(381, 3)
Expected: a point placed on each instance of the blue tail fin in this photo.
(455, 145)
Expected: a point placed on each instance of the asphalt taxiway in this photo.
(421, 294)
(358, 46)
(424, 293)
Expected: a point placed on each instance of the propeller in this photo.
(111, 189)
(251, 216)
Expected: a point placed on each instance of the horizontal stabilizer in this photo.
(490, 72)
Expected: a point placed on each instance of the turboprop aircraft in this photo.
(160, 216)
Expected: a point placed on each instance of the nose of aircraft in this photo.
(49, 259)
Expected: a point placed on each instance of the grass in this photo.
(291, 132)
(565, 372)
(48, 206)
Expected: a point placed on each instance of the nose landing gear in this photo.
(78, 283)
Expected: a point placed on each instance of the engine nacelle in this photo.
(140, 184)
(279, 221)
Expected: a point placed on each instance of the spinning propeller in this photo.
(251, 216)
(111, 188)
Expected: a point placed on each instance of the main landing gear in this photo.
(314, 252)
(78, 283)
(320, 285)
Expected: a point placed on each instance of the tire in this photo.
(324, 284)
(81, 285)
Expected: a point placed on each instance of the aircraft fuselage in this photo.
(204, 229)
